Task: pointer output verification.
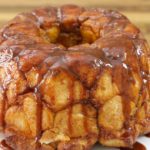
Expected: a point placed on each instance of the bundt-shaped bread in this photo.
(70, 77)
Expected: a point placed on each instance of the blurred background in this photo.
(138, 11)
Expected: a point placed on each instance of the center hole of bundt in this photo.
(68, 37)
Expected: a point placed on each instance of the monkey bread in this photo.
(71, 77)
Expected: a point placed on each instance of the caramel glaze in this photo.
(85, 123)
(3, 112)
(148, 135)
(70, 108)
(136, 146)
(38, 120)
(70, 129)
(118, 47)
(4, 145)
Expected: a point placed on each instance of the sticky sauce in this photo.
(70, 101)
(148, 135)
(85, 122)
(3, 106)
(38, 120)
(4, 146)
(136, 146)
(70, 129)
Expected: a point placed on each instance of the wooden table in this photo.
(138, 11)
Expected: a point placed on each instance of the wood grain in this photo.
(138, 11)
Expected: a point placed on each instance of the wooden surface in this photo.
(138, 11)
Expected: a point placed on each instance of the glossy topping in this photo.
(72, 76)
(136, 146)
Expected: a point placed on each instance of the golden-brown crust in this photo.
(71, 76)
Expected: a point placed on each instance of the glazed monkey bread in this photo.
(72, 76)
